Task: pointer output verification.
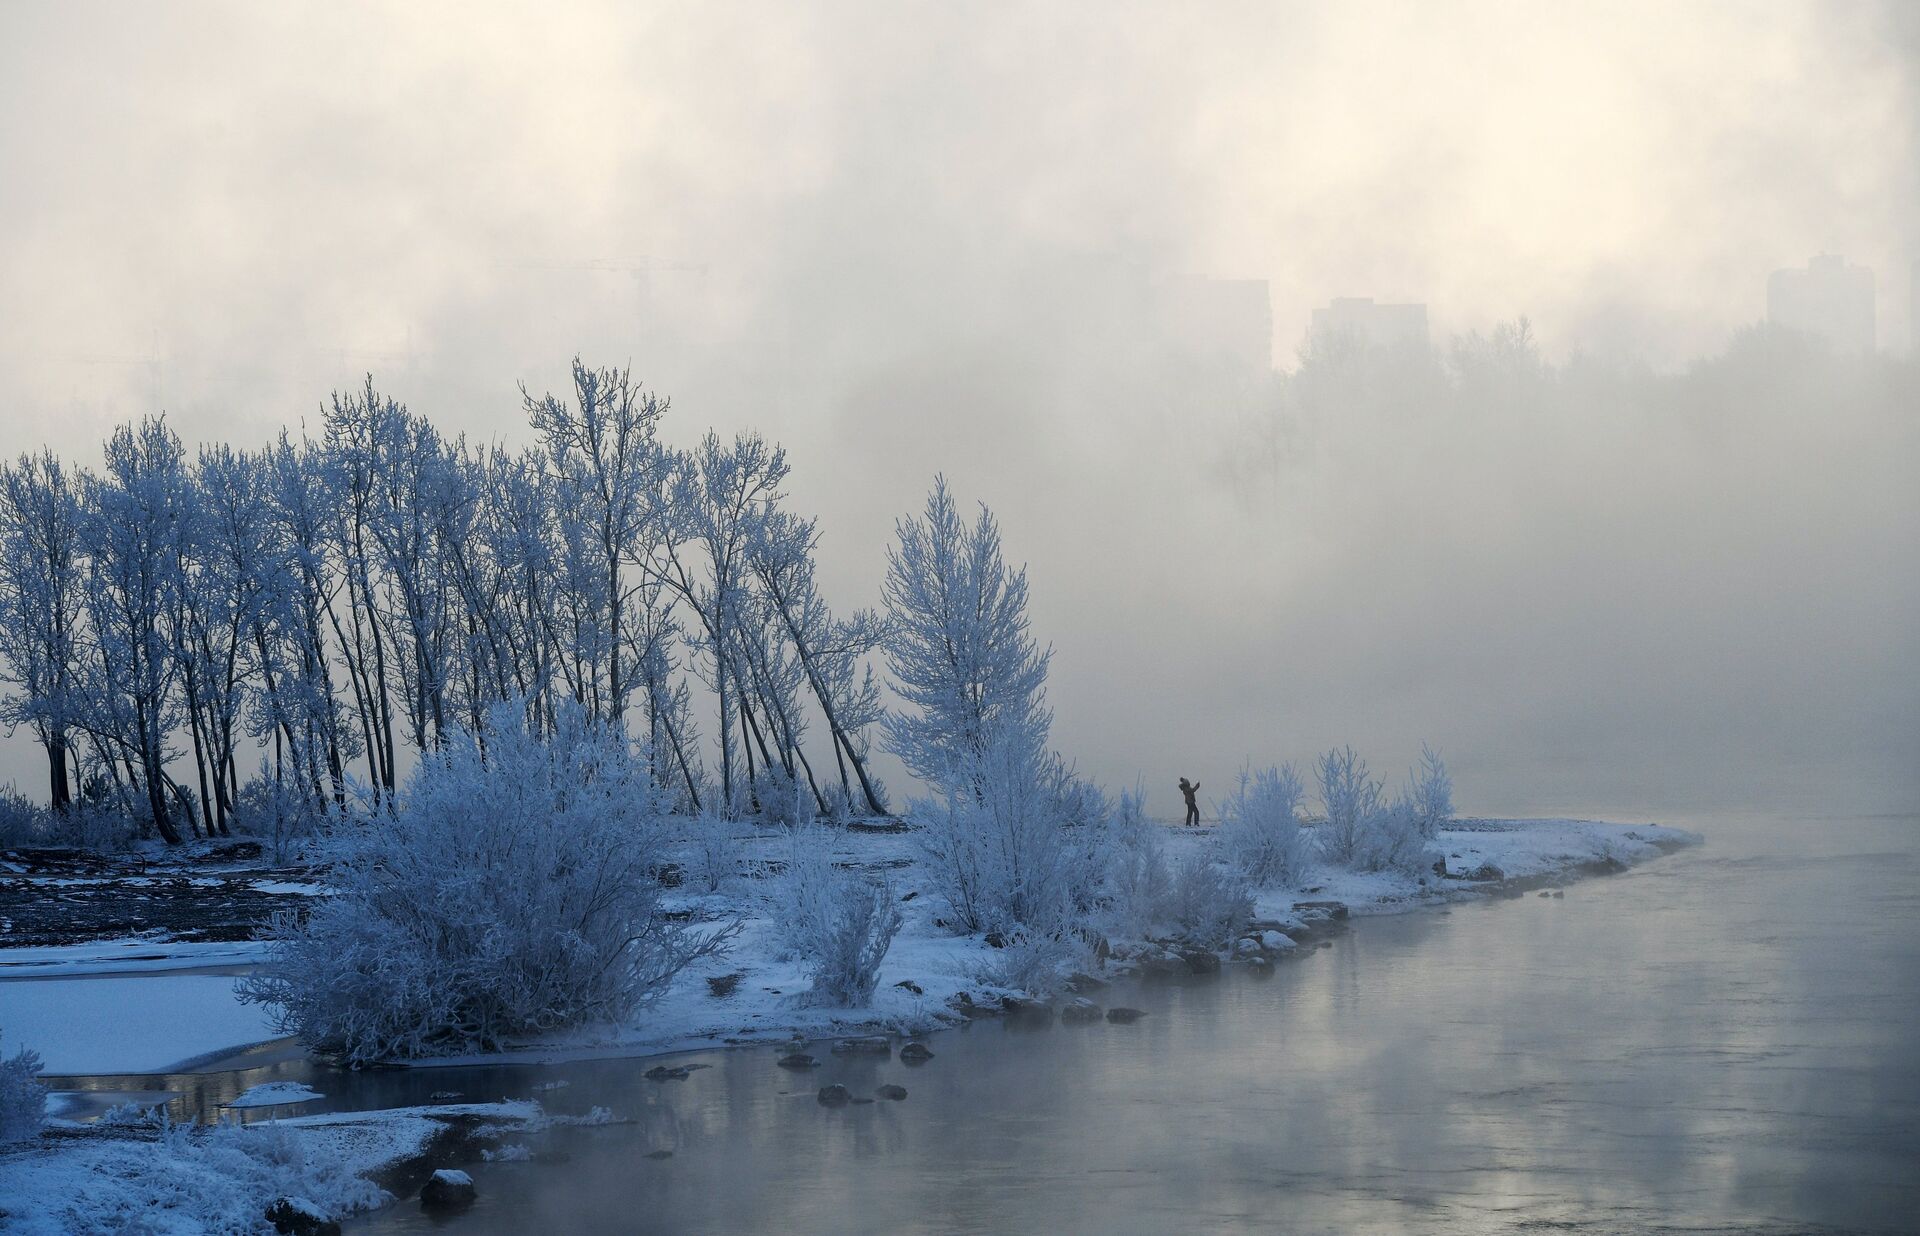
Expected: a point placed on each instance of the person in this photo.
(1193, 808)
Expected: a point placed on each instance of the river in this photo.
(1727, 1039)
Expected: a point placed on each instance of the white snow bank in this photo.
(220, 1180)
(129, 1025)
(274, 1094)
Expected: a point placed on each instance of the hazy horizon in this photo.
(917, 241)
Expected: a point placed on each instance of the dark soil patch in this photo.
(70, 897)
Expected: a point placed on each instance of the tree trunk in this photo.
(59, 788)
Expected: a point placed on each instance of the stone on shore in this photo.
(448, 1189)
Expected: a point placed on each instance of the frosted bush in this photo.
(514, 892)
(1350, 797)
(282, 815)
(23, 1100)
(1035, 960)
(710, 857)
(1208, 905)
(1138, 880)
(837, 924)
(998, 854)
(1394, 839)
(1430, 793)
(1259, 833)
(784, 798)
(22, 821)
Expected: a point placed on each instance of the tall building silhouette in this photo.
(1828, 298)
(1374, 324)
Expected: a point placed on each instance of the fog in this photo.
(1668, 561)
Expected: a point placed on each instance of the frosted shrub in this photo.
(784, 799)
(23, 1100)
(1350, 797)
(838, 924)
(1138, 881)
(710, 858)
(1035, 960)
(513, 892)
(281, 814)
(22, 821)
(1260, 834)
(1208, 905)
(998, 855)
(1430, 793)
(1394, 839)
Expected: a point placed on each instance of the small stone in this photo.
(834, 1095)
(659, 1154)
(799, 1060)
(1558, 893)
(1202, 961)
(443, 1096)
(1124, 1016)
(910, 985)
(662, 1072)
(891, 1091)
(915, 1053)
(447, 1189)
(1081, 1010)
(1544, 893)
(865, 1045)
(296, 1216)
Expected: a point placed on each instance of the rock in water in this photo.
(1202, 961)
(296, 1216)
(915, 1053)
(447, 1189)
(661, 1072)
(1081, 1010)
(865, 1045)
(799, 1060)
(835, 1095)
(1124, 1016)
(891, 1091)
(659, 1154)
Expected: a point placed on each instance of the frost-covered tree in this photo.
(608, 469)
(136, 518)
(1349, 797)
(1430, 792)
(958, 646)
(830, 652)
(1260, 834)
(514, 892)
(996, 836)
(719, 494)
(23, 1100)
(40, 608)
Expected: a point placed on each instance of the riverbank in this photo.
(931, 979)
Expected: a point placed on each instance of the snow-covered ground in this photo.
(929, 972)
(221, 1180)
(753, 993)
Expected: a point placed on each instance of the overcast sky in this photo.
(848, 225)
